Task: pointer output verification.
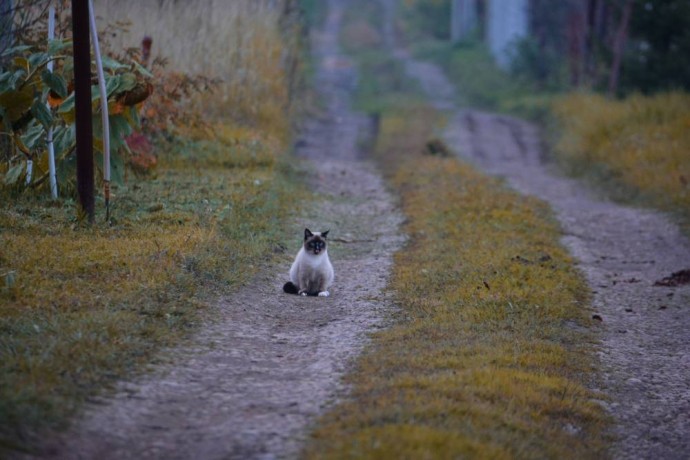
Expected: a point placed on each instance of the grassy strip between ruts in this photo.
(489, 355)
(488, 358)
(90, 305)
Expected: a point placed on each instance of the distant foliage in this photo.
(601, 47)
(659, 53)
(429, 17)
(34, 100)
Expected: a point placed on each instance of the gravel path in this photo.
(644, 329)
(269, 363)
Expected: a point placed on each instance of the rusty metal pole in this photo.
(82, 105)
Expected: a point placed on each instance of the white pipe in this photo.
(51, 149)
(29, 171)
(104, 96)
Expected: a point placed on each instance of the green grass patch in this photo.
(636, 149)
(83, 307)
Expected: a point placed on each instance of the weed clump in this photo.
(638, 148)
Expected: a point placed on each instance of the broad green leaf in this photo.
(10, 79)
(142, 70)
(67, 104)
(15, 50)
(127, 82)
(42, 114)
(67, 111)
(38, 59)
(112, 84)
(64, 139)
(14, 173)
(33, 136)
(55, 82)
(112, 64)
(119, 129)
(55, 46)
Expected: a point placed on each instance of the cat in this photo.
(311, 272)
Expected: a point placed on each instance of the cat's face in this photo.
(315, 242)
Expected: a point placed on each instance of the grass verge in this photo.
(638, 148)
(84, 307)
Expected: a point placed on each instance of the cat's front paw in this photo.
(303, 293)
(324, 294)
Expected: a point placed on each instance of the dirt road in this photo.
(268, 363)
(622, 251)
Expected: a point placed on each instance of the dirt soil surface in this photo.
(268, 363)
(644, 329)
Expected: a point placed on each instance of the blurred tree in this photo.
(619, 45)
(540, 56)
(658, 57)
(430, 17)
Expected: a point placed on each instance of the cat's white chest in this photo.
(314, 263)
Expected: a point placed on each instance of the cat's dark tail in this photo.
(290, 288)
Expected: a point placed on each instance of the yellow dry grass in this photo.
(241, 42)
(486, 359)
(641, 143)
(89, 305)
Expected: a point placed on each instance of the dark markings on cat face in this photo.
(314, 244)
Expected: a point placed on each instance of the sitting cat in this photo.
(311, 272)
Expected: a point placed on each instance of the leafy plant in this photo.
(34, 99)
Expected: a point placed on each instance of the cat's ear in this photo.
(325, 234)
(307, 233)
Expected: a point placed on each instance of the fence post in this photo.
(82, 105)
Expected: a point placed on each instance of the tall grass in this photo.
(638, 147)
(241, 42)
